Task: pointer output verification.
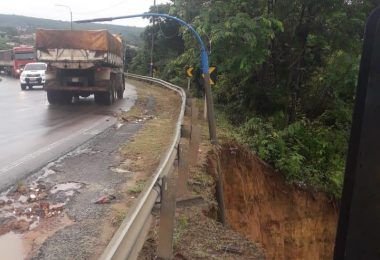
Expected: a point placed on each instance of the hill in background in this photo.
(30, 24)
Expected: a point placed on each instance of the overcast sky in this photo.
(81, 9)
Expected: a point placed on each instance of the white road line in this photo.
(87, 131)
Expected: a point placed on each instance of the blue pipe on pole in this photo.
(204, 55)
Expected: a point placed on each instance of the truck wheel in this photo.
(120, 93)
(108, 97)
(114, 95)
(23, 86)
(52, 97)
(98, 98)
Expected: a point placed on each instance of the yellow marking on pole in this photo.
(189, 72)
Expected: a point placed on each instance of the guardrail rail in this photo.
(129, 238)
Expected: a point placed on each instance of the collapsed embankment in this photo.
(289, 222)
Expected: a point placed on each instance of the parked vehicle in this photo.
(13, 61)
(81, 63)
(33, 75)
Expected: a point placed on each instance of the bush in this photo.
(308, 154)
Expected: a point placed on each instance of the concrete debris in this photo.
(105, 199)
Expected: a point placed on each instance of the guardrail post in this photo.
(167, 212)
(195, 134)
(183, 169)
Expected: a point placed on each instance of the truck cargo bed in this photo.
(64, 48)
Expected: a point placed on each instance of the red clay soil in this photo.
(290, 223)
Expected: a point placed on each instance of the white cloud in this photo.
(48, 9)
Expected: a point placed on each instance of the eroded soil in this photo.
(197, 235)
(290, 223)
(267, 218)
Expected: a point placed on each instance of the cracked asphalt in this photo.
(91, 165)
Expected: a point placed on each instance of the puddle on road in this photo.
(11, 246)
(66, 187)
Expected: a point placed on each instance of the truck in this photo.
(13, 61)
(81, 63)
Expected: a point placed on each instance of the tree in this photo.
(287, 75)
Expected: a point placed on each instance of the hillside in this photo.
(29, 24)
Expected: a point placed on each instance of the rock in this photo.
(58, 207)
(32, 197)
(2, 203)
(42, 195)
(41, 186)
(22, 189)
(23, 199)
(44, 207)
(20, 225)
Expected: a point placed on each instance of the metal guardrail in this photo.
(129, 238)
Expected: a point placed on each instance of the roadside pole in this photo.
(188, 83)
(214, 142)
(210, 108)
(205, 109)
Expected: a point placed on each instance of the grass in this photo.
(118, 217)
(151, 142)
(138, 187)
(181, 226)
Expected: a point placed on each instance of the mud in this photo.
(289, 222)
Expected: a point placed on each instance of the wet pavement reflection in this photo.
(28, 122)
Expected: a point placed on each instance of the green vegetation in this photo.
(3, 44)
(180, 228)
(287, 75)
(138, 187)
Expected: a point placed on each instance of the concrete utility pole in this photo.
(71, 14)
(152, 46)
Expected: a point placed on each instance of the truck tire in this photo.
(52, 97)
(120, 93)
(98, 96)
(108, 97)
(23, 86)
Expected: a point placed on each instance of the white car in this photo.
(33, 75)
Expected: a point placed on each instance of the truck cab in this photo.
(21, 56)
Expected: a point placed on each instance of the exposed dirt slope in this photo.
(289, 222)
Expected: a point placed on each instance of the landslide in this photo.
(289, 222)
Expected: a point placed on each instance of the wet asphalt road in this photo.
(32, 132)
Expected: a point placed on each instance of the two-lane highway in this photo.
(32, 132)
